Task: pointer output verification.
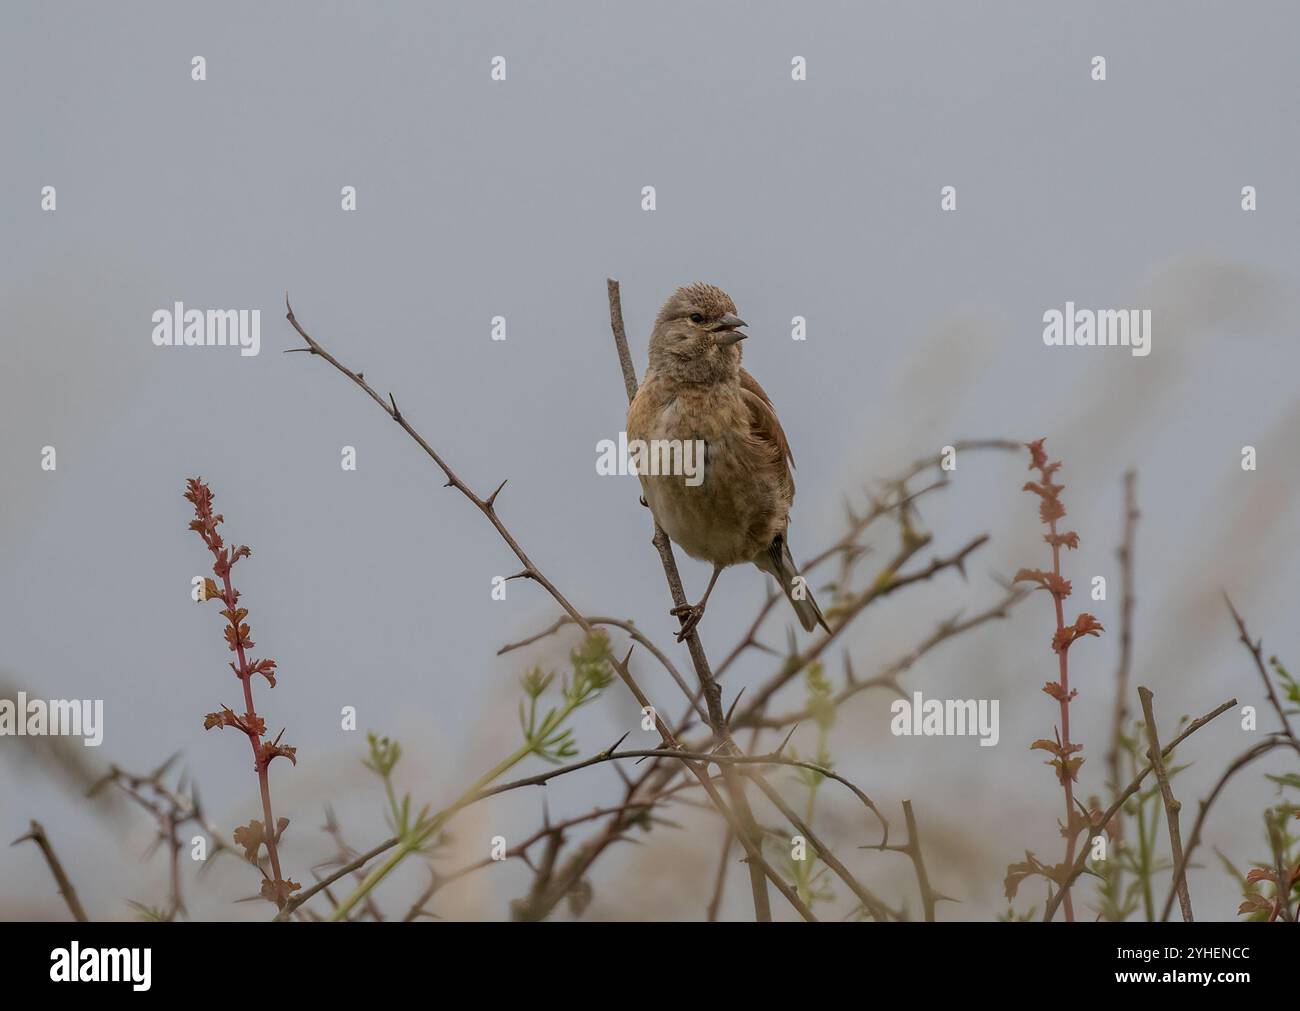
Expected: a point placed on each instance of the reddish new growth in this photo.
(254, 835)
(1064, 758)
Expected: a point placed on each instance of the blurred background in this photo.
(478, 198)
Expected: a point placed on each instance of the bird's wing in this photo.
(766, 426)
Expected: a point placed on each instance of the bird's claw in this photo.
(690, 615)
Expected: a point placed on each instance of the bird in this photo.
(695, 389)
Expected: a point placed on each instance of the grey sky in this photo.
(479, 198)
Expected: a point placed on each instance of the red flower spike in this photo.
(1065, 759)
(238, 634)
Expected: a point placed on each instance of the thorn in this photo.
(644, 502)
(449, 483)
(614, 747)
(849, 676)
(629, 655)
(521, 574)
(159, 772)
(546, 813)
(397, 415)
(493, 497)
(764, 648)
(781, 749)
(727, 720)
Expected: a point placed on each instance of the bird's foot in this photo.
(690, 615)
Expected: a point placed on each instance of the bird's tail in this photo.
(778, 561)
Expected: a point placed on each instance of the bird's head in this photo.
(696, 335)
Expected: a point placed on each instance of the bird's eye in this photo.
(696, 318)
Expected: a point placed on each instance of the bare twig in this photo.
(724, 759)
(929, 897)
(1172, 805)
(1257, 654)
(1125, 554)
(37, 835)
(720, 879)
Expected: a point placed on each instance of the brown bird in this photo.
(694, 389)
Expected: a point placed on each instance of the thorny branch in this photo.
(37, 835)
(1095, 825)
(1172, 806)
(487, 507)
(912, 848)
(172, 810)
(1257, 654)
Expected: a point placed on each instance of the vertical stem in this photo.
(1067, 781)
(1144, 862)
(1125, 555)
(254, 741)
(1172, 806)
(913, 849)
(38, 836)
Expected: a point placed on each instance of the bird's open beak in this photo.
(725, 332)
